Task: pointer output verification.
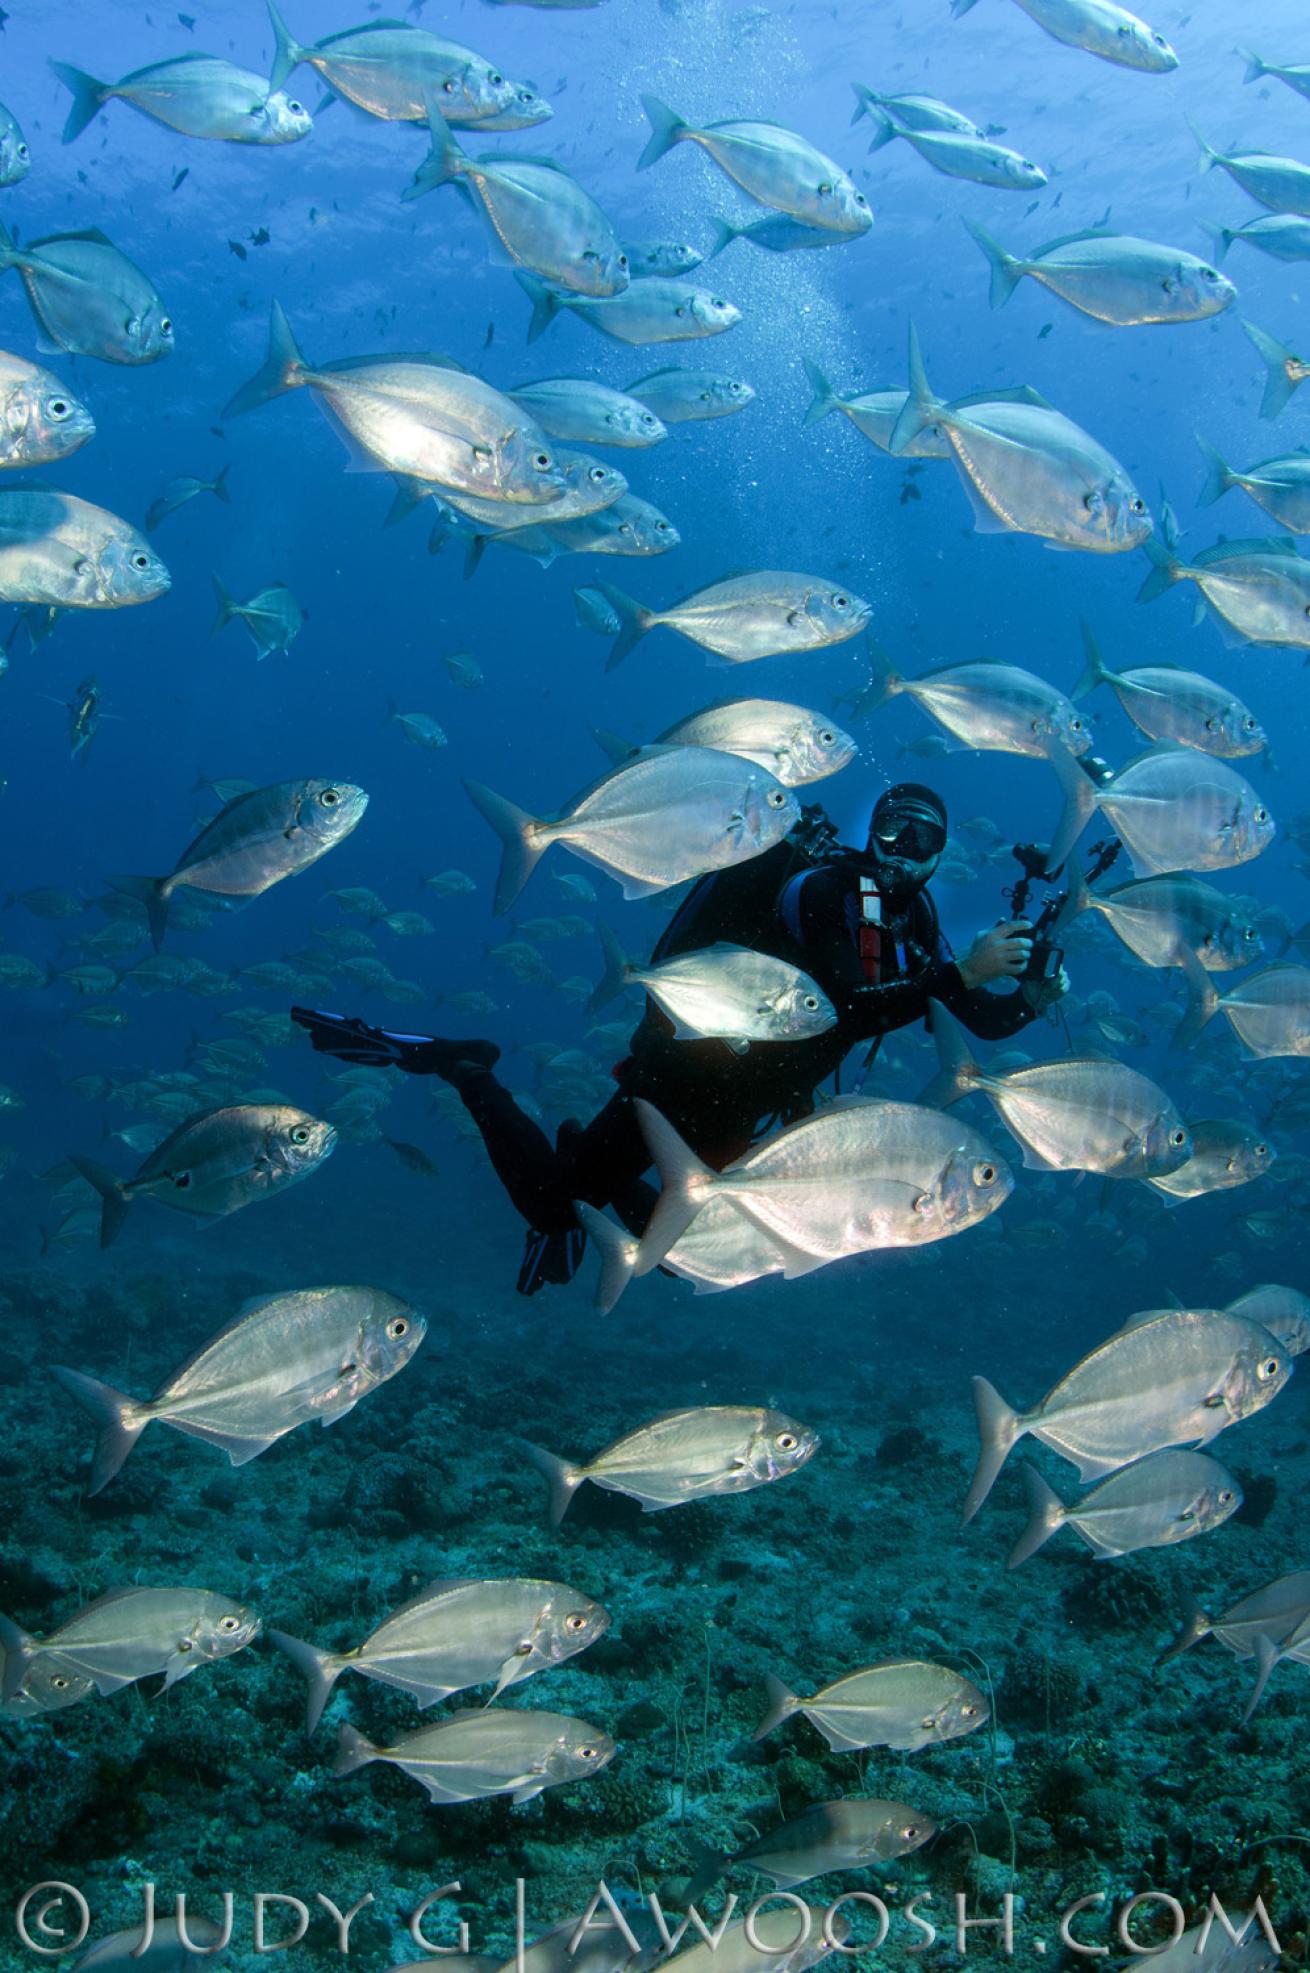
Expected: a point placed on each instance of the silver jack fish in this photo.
(902, 1703)
(285, 1361)
(89, 298)
(686, 1455)
(470, 1755)
(132, 1634)
(1165, 1498)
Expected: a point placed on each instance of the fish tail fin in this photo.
(153, 893)
(116, 1202)
(353, 1751)
(724, 235)
(957, 1071)
(1079, 806)
(321, 1668)
(825, 398)
(117, 1428)
(8, 258)
(219, 485)
(227, 607)
(445, 161)
(1196, 1626)
(19, 1650)
(1007, 269)
(1220, 237)
(563, 1479)
(865, 101)
(634, 621)
(1275, 356)
(546, 301)
(1078, 901)
(999, 1429)
(782, 1703)
(885, 129)
(1045, 1513)
(884, 681)
(666, 127)
(961, 7)
(1209, 156)
(282, 369)
(1095, 671)
(613, 745)
(710, 1865)
(1255, 68)
(88, 96)
(683, 1182)
(921, 408)
(474, 549)
(615, 976)
(1266, 1654)
(618, 1254)
(1218, 478)
(1203, 1002)
(520, 852)
(289, 54)
(1166, 569)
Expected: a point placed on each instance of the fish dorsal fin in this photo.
(1009, 394)
(87, 233)
(1224, 551)
(1072, 240)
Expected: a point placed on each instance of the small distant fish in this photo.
(179, 491)
(685, 1456)
(763, 613)
(1112, 277)
(414, 1158)
(679, 397)
(272, 616)
(831, 1836)
(419, 728)
(770, 163)
(451, 883)
(464, 669)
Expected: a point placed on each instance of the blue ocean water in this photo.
(1118, 1776)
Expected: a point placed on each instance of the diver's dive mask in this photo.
(907, 834)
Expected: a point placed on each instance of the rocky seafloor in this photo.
(1098, 1773)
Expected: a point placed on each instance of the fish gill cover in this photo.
(510, 375)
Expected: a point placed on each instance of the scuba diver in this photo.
(861, 923)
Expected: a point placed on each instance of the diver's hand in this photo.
(1000, 954)
(1042, 995)
(356, 1041)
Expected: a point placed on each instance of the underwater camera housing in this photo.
(1047, 958)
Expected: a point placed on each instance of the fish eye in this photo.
(589, 253)
(968, 1712)
(23, 152)
(588, 1753)
(680, 310)
(909, 1832)
(1268, 1369)
(575, 1621)
(140, 560)
(1209, 274)
(825, 189)
(495, 80)
(1249, 724)
(165, 325)
(811, 1003)
(397, 1328)
(1261, 1151)
(624, 527)
(228, 1624)
(1261, 813)
(1211, 724)
(1028, 164)
(860, 199)
(623, 261)
(296, 109)
(448, 86)
(776, 798)
(59, 1683)
(59, 408)
(300, 1134)
(328, 797)
(1159, 41)
(786, 1442)
(984, 1174)
(1178, 1138)
(661, 527)
(598, 475)
(840, 602)
(542, 462)
(715, 302)
(1138, 506)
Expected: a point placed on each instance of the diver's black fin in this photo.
(550, 1259)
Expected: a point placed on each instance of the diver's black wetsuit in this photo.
(716, 1099)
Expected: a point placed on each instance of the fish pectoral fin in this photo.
(527, 1791)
